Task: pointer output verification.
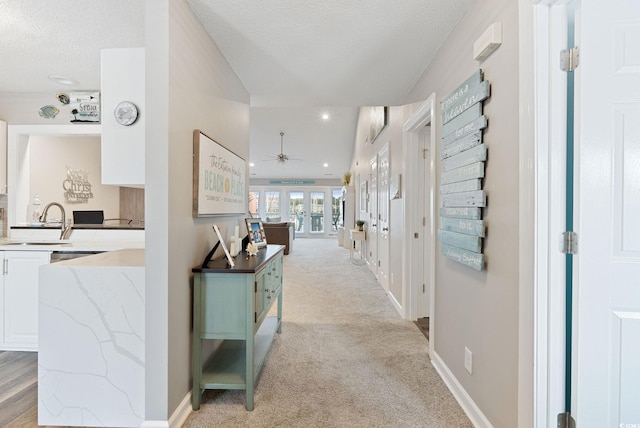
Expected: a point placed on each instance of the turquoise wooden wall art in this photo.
(462, 157)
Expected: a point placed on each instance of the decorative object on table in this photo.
(252, 249)
(48, 112)
(209, 256)
(360, 225)
(236, 243)
(126, 113)
(256, 232)
(85, 106)
(346, 178)
(224, 247)
(219, 185)
(379, 117)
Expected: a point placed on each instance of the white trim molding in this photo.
(471, 409)
(424, 115)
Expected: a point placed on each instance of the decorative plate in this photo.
(125, 113)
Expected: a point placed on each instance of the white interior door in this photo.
(383, 217)
(606, 351)
(372, 256)
(425, 253)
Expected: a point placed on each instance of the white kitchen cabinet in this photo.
(123, 79)
(19, 299)
(3, 157)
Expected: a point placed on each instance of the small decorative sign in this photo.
(85, 107)
(219, 186)
(77, 189)
(292, 182)
(463, 155)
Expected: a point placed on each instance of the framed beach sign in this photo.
(219, 179)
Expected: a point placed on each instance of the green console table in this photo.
(232, 304)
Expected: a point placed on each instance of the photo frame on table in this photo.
(224, 247)
(255, 231)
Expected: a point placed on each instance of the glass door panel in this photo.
(336, 209)
(317, 212)
(297, 211)
(272, 204)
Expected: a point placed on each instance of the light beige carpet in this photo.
(345, 358)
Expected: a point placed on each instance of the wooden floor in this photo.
(18, 389)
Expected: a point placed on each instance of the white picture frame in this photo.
(224, 246)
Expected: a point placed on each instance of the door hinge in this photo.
(255, 290)
(424, 288)
(424, 153)
(565, 420)
(569, 243)
(424, 221)
(569, 59)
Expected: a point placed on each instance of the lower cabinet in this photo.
(19, 299)
(232, 304)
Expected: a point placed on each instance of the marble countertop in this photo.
(66, 245)
(133, 257)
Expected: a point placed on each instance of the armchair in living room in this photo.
(280, 233)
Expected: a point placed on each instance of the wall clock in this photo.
(125, 113)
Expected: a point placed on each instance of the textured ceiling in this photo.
(297, 59)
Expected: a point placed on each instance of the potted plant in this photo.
(360, 224)
(346, 178)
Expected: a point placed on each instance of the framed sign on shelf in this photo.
(219, 179)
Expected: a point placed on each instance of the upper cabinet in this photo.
(123, 116)
(3, 157)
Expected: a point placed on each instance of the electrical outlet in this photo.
(468, 360)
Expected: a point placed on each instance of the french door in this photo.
(306, 210)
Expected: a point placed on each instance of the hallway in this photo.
(344, 359)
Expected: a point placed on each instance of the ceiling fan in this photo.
(281, 157)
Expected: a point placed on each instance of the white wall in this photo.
(479, 310)
(49, 159)
(189, 86)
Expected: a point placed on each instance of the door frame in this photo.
(542, 118)
(413, 270)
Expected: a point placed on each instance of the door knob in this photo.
(385, 229)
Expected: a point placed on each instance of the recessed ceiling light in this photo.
(325, 165)
(325, 116)
(252, 164)
(64, 80)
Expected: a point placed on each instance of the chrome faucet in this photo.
(66, 229)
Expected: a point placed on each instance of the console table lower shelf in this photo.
(232, 305)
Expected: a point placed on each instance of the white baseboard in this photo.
(396, 304)
(177, 418)
(473, 412)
